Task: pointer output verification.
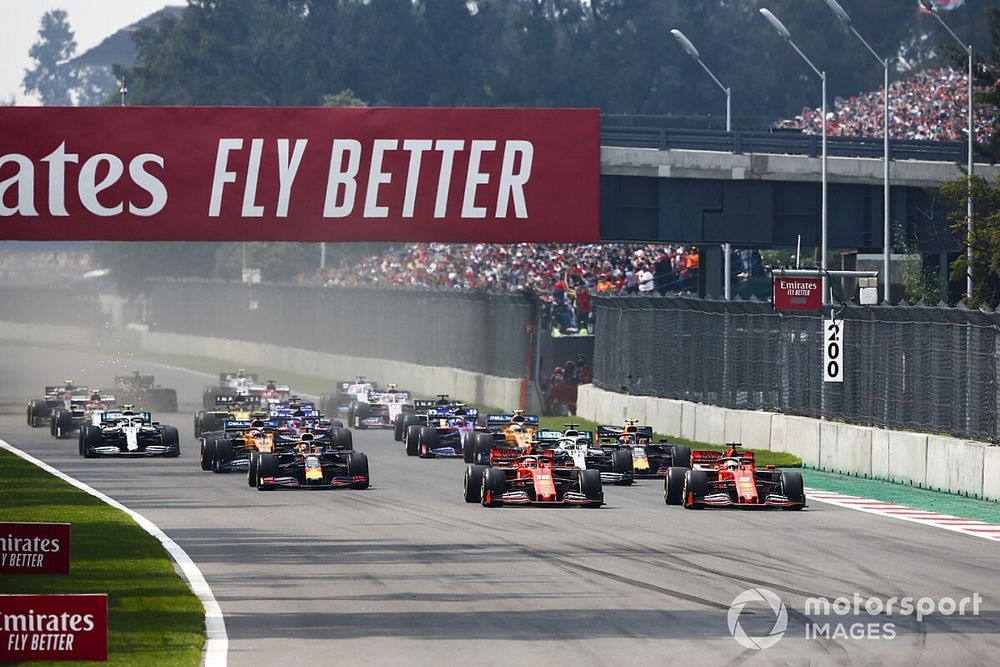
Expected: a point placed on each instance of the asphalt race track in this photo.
(408, 573)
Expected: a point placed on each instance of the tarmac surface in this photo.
(406, 572)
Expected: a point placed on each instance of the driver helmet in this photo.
(515, 428)
(732, 464)
(96, 396)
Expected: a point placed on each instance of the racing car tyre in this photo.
(207, 454)
(695, 483)
(429, 441)
(267, 466)
(359, 412)
(36, 409)
(474, 483)
(673, 485)
(52, 421)
(792, 488)
(91, 439)
(482, 446)
(328, 404)
(590, 484)
(495, 484)
(342, 439)
(357, 465)
(204, 422)
(621, 463)
(252, 468)
(408, 421)
(413, 440)
(64, 423)
(397, 428)
(469, 447)
(223, 454)
(682, 456)
(170, 438)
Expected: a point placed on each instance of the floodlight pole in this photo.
(784, 34)
(693, 52)
(970, 166)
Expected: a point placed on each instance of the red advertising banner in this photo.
(34, 548)
(53, 627)
(798, 293)
(299, 174)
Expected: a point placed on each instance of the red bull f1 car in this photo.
(311, 465)
(731, 479)
(649, 459)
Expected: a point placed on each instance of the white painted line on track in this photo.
(981, 529)
(217, 644)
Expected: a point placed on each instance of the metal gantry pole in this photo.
(886, 229)
(970, 167)
(826, 295)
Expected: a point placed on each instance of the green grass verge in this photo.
(905, 494)
(154, 618)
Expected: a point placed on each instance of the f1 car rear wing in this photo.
(112, 417)
(708, 457)
(645, 432)
(250, 400)
(495, 421)
(376, 396)
(421, 405)
(226, 378)
(244, 424)
(549, 436)
(61, 389)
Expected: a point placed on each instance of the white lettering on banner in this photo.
(475, 178)
(38, 622)
(341, 187)
(287, 169)
(512, 184)
(448, 148)
(88, 187)
(416, 147)
(24, 178)
(57, 160)
(339, 176)
(222, 175)
(149, 183)
(377, 177)
(251, 209)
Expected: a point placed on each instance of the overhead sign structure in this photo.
(797, 293)
(299, 174)
(833, 350)
(53, 627)
(34, 548)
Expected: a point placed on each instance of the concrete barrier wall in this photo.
(941, 463)
(47, 334)
(504, 393)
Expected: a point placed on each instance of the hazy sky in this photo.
(90, 20)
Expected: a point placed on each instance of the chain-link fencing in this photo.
(905, 367)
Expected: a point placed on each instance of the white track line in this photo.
(217, 644)
(981, 529)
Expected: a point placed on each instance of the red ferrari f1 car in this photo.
(515, 478)
(731, 479)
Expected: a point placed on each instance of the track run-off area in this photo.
(406, 572)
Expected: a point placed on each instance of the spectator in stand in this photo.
(583, 371)
(583, 306)
(645, 279)
(663, 273)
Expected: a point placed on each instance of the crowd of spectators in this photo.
(564, 276)
(928, 105)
